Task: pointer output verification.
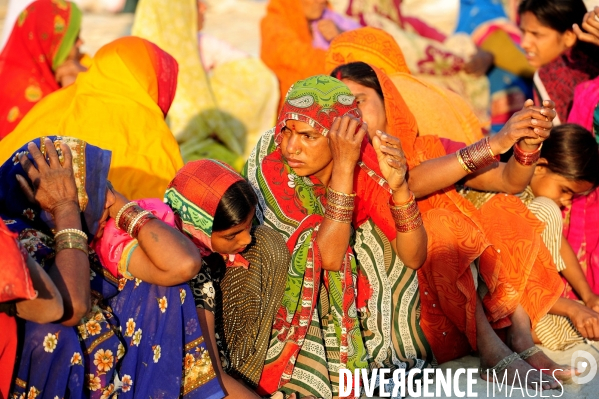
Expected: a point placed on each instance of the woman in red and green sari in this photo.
(355, 304)
(41, 56)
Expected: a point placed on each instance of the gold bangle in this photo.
(74, 231)
(134, 222)
(462, 163)
(340, 199)
(120, 212)
(72, 242)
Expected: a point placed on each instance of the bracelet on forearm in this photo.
(527, 158)
(406, 216)
(141, 222)
(70, 240)
(340, 206)
(117, 219)
(340, 199)
(339, 214)
(73, 231)
(476, 156)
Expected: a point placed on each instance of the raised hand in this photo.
(53, 184)
(392, 160)
(345, 141)
(529, 126)
(328, 29)
(590, 24)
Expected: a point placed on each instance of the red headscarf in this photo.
(40, 41)
(194, 195)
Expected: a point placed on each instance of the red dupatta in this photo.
(40, 41)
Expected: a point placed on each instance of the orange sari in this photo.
(438, 110)
(503, 236)
(287, 44)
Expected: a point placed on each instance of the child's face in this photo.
(545, 183)
(233, 240)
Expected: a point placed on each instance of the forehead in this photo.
(576, 186)
(530, 21)
(299, 126)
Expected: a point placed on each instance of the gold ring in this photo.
(297, 152)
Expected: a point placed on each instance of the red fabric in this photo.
(26, 61)
(561, 76)
(15, 281)
(8, 352)
(166, 67)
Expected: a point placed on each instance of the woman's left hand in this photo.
(392, 160)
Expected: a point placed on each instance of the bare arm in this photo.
(527, 127)
(47, 307)
(164, 256)
(575, 276)
(333, 236)
(55, 190)
(232, 387)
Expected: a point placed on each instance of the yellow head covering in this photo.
(174, 28)
(437, 110)
(114, 106)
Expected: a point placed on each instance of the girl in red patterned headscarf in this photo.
(40, 56)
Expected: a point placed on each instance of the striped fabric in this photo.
(389, 334)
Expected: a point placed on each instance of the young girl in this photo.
(568, 167)
(240, 286)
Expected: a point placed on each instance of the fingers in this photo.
(67, 156)
(28, 166)
(27, 190)
(53, 158)
(38, 157)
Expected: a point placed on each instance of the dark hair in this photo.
(571, 151)
(555, 14)
(360, 73)
(236, 204)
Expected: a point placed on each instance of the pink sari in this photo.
(581, 223)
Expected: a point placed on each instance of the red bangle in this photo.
(527, 158)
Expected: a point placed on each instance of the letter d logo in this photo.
(588, 364)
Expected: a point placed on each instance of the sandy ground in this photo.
(237, 21)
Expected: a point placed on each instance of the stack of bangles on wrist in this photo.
(71, 239)
(340, 206)
(476, 156)
(406, 216)
(131, 218)
(527, 158)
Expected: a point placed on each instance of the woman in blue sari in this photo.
(138, 335)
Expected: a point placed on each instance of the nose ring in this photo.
(297, 152)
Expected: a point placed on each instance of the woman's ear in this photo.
(569, 38)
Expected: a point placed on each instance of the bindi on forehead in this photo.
(293, 127)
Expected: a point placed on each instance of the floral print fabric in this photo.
(138, 340)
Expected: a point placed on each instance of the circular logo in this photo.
(586, 364)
